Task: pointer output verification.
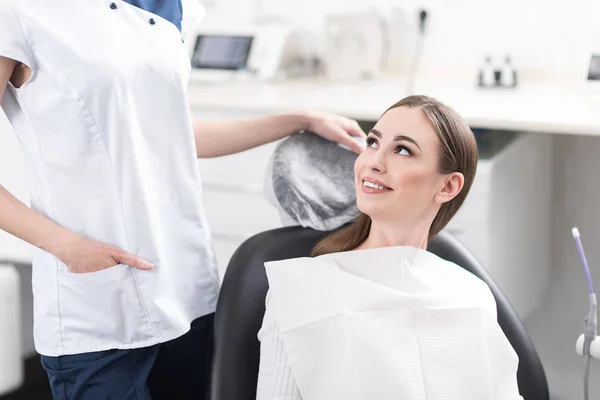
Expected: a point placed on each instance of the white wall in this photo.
(539, 34)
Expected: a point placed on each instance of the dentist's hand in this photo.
(336, 128)
(83, 255)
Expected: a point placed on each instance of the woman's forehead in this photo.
(407, 121)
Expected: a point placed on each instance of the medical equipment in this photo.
(354, 45)
(497, 73)
(256, 52)
(588, 344)
(11, 358)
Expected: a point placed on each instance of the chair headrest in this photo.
(310, 180)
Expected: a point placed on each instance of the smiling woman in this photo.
(373, 314)
(414, 175)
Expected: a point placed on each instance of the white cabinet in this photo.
(506, 220)
(232, 191)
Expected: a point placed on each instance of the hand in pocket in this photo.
(83, 255)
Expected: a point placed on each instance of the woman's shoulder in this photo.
(466, 288)
(466, 276)
(269, 325)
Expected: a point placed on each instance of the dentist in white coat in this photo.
(124, 279)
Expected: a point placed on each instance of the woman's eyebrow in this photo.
(397, 137)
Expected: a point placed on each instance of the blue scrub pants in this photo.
(179, 369)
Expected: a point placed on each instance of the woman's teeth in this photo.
(373, 185)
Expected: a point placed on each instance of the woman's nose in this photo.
(377, 163)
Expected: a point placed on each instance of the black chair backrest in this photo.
(241, 308)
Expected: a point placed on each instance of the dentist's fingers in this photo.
(122, 257)
(342, 130)
(83, 255)
(354, 129)
(355, 143)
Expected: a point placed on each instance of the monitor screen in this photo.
(222, 52)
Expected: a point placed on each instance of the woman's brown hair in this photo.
(458, 153)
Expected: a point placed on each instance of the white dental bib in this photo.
(391, 323)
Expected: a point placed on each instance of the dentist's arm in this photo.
(78, 253)
(219, 138)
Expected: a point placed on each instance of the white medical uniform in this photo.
(106, 132)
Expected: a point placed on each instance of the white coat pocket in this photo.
(110, 274)
(104, 306)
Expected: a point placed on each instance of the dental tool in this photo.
(588, 344)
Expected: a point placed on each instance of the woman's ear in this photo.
(452, 185)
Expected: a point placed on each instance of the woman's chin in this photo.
(372, 210)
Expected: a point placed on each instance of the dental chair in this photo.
(310, 181)
(241, 307)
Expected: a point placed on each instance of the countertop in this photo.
(543, 107)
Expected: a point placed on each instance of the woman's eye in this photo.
(371, 142)
(403, 151)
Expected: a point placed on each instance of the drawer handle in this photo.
(232, 187)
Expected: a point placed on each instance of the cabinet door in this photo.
(243, 169)
(238, 214)
(233, 196)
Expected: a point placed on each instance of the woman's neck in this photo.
(389, 234)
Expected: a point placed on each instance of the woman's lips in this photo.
(372, 186)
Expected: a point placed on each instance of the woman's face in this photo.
(397, 176)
